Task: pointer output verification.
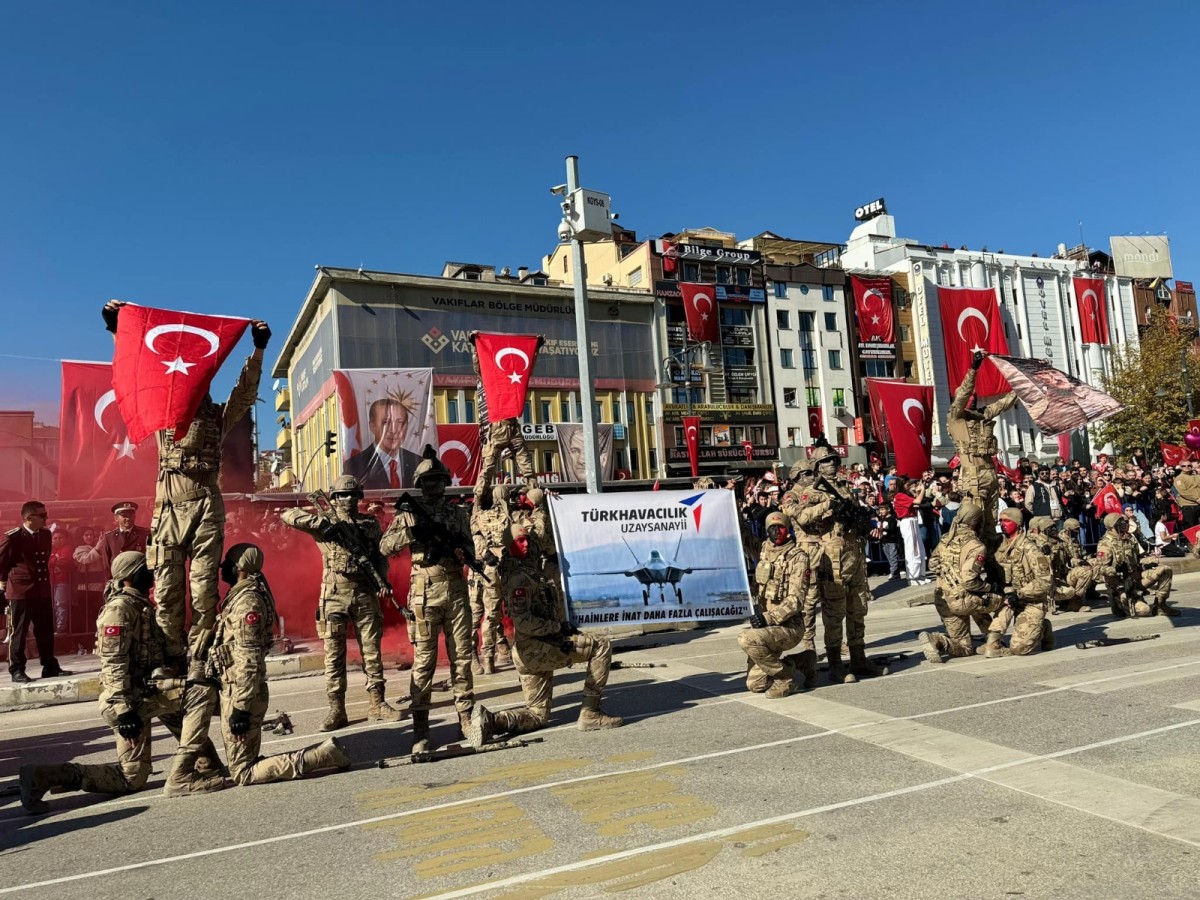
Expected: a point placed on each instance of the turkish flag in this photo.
(691, 433)
(163, 364)
(971, 321)
(1191, 534)
(816, 421)
(748, 450)
(1173, 454)
(873, 305)
(908, 409)
(1093, 315)
(505, 366)
(96, 457)
(700, 309)
(1013, 475)
(670, 256)
(1106, 501)
(459, 451)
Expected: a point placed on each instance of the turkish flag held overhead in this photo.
(459, 451)
(691, 434)
(163, 364)
(908, 410)
(816, 421)
(97, 459)
(1106, 501)
(505, 366)
(1173, 454)
(873, 306)
(1093, 314)
(700, 310)
(970, 322)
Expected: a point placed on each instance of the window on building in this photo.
(831, 322)
(783, 319)
(835, 359)
(635, 277)
(808, 358)
(905, 333)
(691, 271)
(738, 356)
(686, 395)
(877, 368)
(723, 274)
(794, 437)
(598, 411)
(737, 434)
(781, 290)
(629, 412)
(564, 411)
(812, 396)
(808, 321)
(842, 434)
(680, 441)
(827, 293)
(527, 413)
(470, 405)
(735, 315)
(758, 434)
(578, 410)
(785, 358)
(545, 410)
(564, 262)
(743, 395)
(653, 460)
(839, 401)
(547, 460)
(452, 410)
(633, 460)
(908, 370)
(789, 396)
(743, 276)
(539, 281)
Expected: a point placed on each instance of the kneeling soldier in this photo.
(963, 592)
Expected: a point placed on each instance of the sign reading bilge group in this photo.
(650, 556)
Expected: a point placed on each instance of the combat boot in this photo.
(464, 725)
(757, 680)
(327, 755)
(781, 687)
(420, 718)
(1116, 608)
(931, 647)
(489, 662)
(503, 653)
(481, 727)
(863, 667)
(337, 713)
(807, 664)
(837, 672)
(994, 648)
(593, 718)
(35, 781)
(476, 664)
(1162, 609)
(378, 709)
(1047, 636)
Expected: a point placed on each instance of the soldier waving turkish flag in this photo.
(873, 305)
(971, 322)
(505, 366)
(163, 364)
(700, 310)
(908, 410)
(1093, 315)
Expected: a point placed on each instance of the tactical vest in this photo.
(949, 572)
(197, 453)
(145, 649)
(447, 515)
(773, 572)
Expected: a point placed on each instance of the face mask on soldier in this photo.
(142, 580)
(228, 573)
(1009, 527)
(519, 548)
(433, 488)
(828, 469)
(778, 535)
(344, 504)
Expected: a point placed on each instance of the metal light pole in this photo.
(591, 453)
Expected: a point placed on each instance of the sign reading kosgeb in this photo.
(650, 556)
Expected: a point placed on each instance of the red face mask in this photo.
(524, 502)
(1009, 527)
(519, 549)
(779, 536)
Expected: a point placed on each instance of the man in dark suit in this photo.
(384, 463)
(25, 587)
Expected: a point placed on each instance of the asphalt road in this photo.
(1072, 773)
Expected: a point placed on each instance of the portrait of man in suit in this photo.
(384, 463)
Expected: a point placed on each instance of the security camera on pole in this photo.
(586, 217)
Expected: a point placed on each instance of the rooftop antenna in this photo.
(1082, 243)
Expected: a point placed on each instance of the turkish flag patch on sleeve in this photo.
(252, 618)
(112, 630)
(979, 559)
(519, 592)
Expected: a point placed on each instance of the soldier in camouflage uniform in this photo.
(348, 594)
(189, 513)
(498, 436)
(543, 642)
(532, 514)
(963, 591)
(1080, 577)
(973, 432)
(782, 576)
(1028, 587)
(809, 540)
(842, 567)
(437, 596)
(489, 522)
(236, 682)
(1132, 589)
(129, 643)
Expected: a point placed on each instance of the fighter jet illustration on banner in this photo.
(656, 571)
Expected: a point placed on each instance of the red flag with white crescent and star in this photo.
(1093, 315)
(1191, 534)
(163, 364)
(908, 410)
(1106, 501)
(96, 457)
(505, 366)
(459, 452)
(873, 306)
(816, 421)
(971, 321)
(1173, 454)
(691, 434)
(700, 310)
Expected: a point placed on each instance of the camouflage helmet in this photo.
(704, 483)
(245, 557)
(500, 493)
(1041, 524)
(799, 470)
(1070, 524)
(536, 495)
(430, 467)
(125, 565)
(970, 515)
(514, 532)
(776, 518)
(346, 484)
(1013, 515)
(1112, 519)
(825, 454)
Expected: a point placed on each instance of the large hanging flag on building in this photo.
(691, 435)
(700, 311)
(873, 306)
(459, 452)
(1093, 313)
(163, 364)
(97, 458)
(908, 410)
(1056, 401)
(505, 366)
(386, 420)
(971, 321)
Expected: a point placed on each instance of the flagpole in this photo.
(583, 346)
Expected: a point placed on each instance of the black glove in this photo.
(568, 630)
(110, 317)
(129, 725)
(758, 620)
(977, 359)
(239, 722)
(567, 647)
(490, 559)
(260, 334)
(408, 614)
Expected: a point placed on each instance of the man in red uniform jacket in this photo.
(125, 536)
(25, 586)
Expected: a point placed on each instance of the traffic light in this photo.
(330, 442)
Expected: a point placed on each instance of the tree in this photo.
(1148, 380)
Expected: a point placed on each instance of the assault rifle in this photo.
(439, 540)
(1112, 642)
(350, 539)
(453, 751)
(854, 517)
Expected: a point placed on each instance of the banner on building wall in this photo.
(971, 321)
(459, 451)
(387, 419)
(1055, 401)
(1093, 310)
(1142, 257)
(570, 452)
(876, 321)
(650, 556)
(908, 410)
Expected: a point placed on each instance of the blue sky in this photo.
(206, 156)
